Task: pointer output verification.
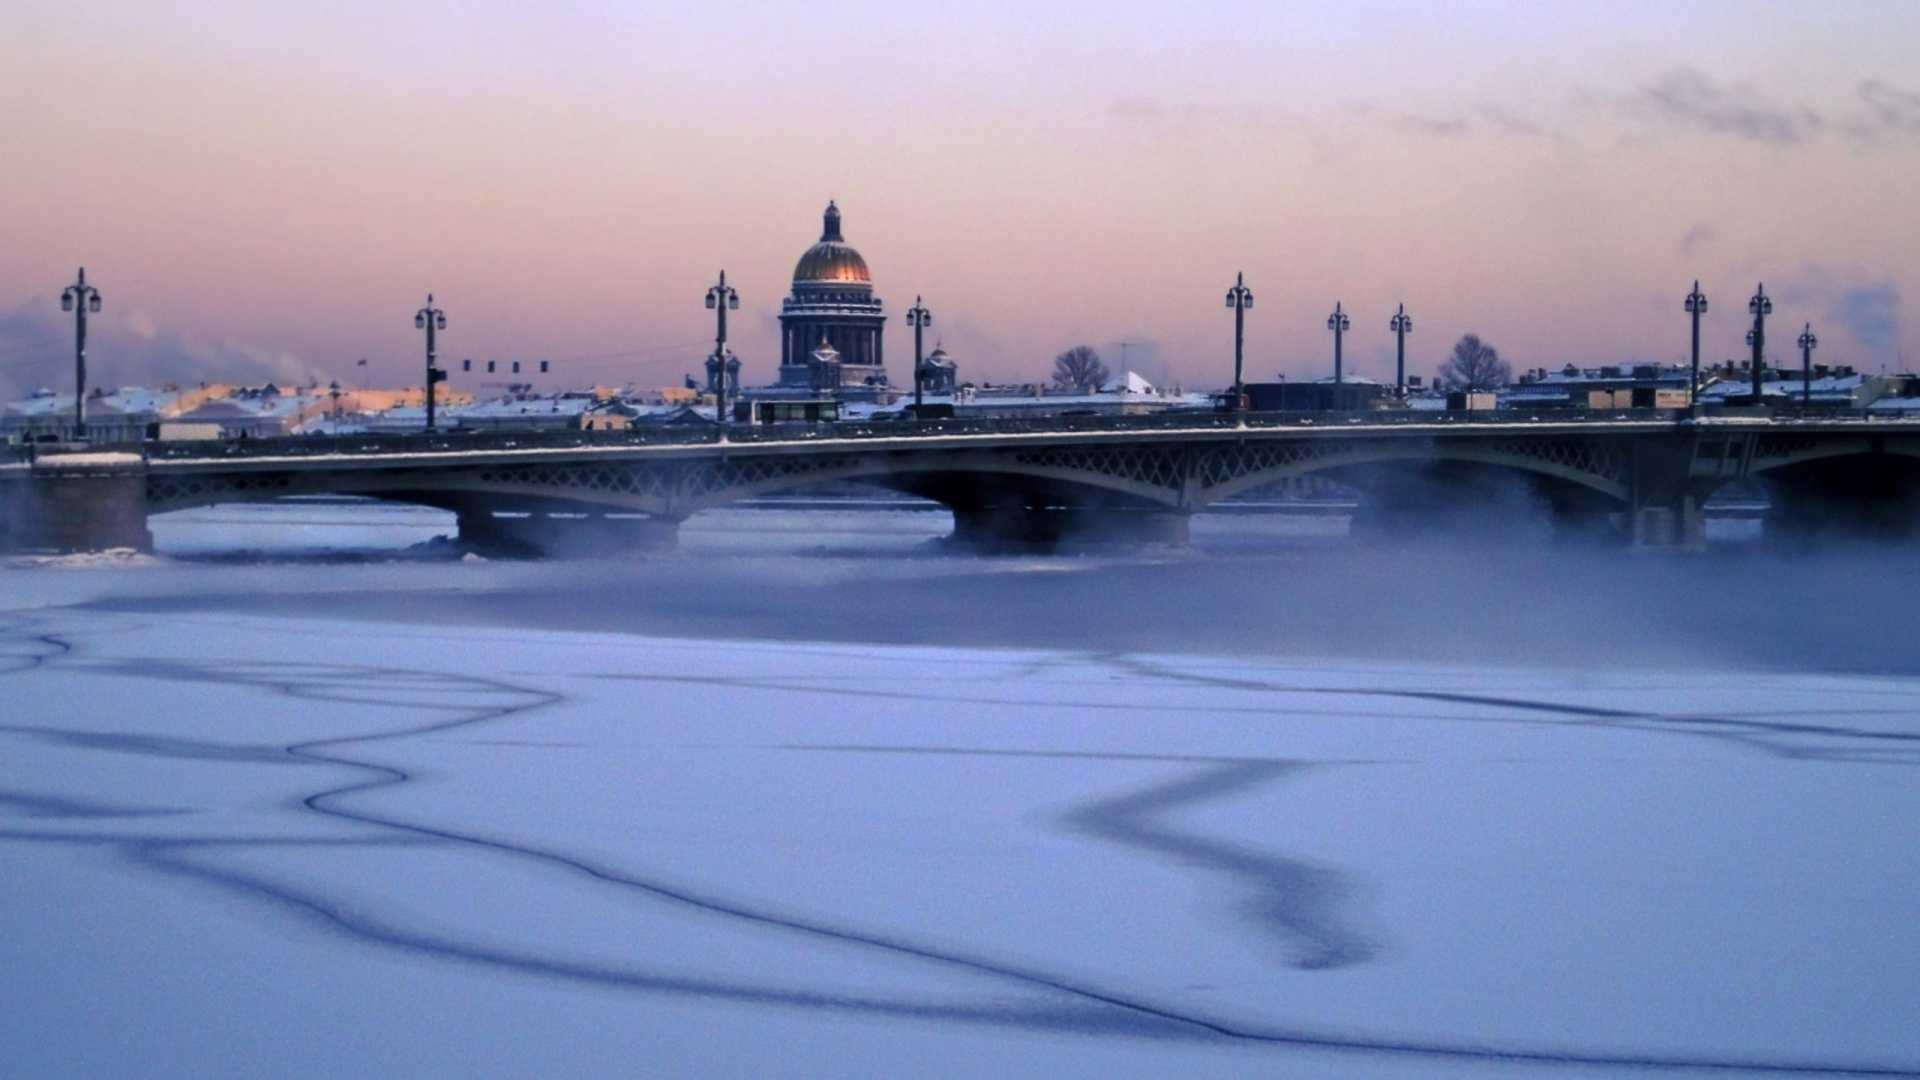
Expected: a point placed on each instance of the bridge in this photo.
(1637, 478)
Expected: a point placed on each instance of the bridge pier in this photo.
(1681, 525)
(564, 534)
(1054, 529)
(74, 502)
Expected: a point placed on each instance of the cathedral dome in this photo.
(831, 260)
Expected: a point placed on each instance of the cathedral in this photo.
(831, 327)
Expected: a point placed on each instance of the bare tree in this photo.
(1475, 365)
(1079, 368)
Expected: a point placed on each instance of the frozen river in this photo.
(810, 800)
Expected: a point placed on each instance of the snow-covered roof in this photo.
(508, 408)
(125, 400)
(1832, 388)
(250, 408)
(1628, 372)
(1129, 382)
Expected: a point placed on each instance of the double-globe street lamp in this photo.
(1401, 325)
(1807, 343)
(81, 299)
(1239, 298)
(430, 319)
(1696, 307)
(1339, 324)
(721, 299)
(919, 318)
(1759, 307)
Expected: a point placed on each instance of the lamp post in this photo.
(1759, 307)
(1239, 298)
(721, 299)
(81, 299)
(1696, 307)
(1339, 324)
(1401, 326)
(1807, 342)
(430, 319)
(919, 318)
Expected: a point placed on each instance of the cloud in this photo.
(36, 349)
(1510, 123)
(1698, 236)
(1689, 97)
(1428, 125)
(1872, 314)
(1892, 111)
(1869, 311)
(1683, 98)
(142, 325)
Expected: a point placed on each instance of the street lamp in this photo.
(81, 299)
(1696, 307)
(1807, 342)
(1239, 298)
(721, 299)
(919, 318)
(1401, 325)
(430, 319)
(1339, 324)
(1759, 307)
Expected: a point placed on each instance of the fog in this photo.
(1276, 585)
(820, 794)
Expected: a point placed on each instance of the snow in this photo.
(86, 460)
(246, 844)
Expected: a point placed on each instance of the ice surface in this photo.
(814, 798)
(280, 845)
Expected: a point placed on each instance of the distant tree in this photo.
(1079, 368)
(1475, 365)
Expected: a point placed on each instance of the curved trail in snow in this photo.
(1083, 1006)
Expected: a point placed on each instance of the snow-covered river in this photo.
(810, 801)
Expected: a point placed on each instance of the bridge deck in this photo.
(418, 450)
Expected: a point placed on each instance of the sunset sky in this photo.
(271, 190)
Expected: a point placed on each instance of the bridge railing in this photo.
(692, 435)
(458, 441)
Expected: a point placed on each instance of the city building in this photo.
(1613, 386)
(113, 416)
(832, 326)
(1837, 387)
(1128, 395)
(1322, 395)
(940, 374)
(1901, 400)
(256, 412)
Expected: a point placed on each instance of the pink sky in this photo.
(273, 189)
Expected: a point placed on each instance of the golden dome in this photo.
(831, 260)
